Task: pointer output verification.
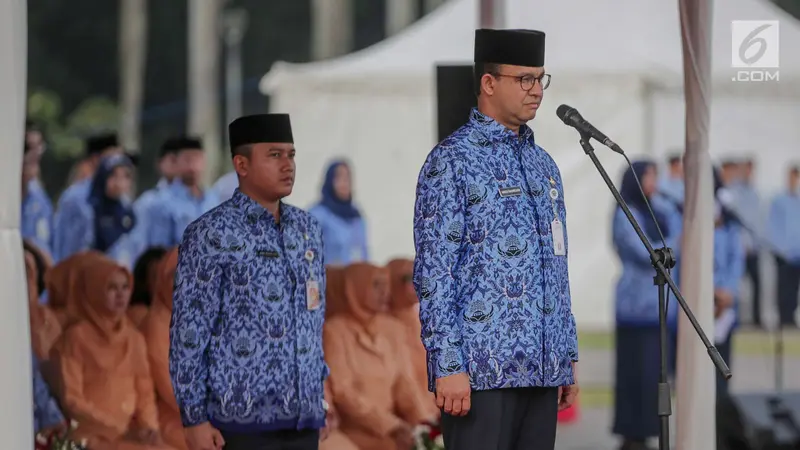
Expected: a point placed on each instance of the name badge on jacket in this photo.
(312, 295)
(559, 248)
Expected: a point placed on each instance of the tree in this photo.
(132, 63)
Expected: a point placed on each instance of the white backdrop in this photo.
(16, 418)
(377, 107)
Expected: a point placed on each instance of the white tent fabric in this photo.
(695, 415)
(621, 68)
(16, 425)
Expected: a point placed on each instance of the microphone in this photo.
(571, 117)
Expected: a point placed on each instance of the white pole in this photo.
(204, 49)
(399, 15)
(331, 28)
(695, 414)
(235, 25)
(16, 412)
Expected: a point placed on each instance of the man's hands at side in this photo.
(453, 394)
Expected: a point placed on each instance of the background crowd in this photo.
(100, 222)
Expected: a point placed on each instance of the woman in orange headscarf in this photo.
(61, 280)
(404, 307)
(107, 387)
(334, 291)
(372, 390)
(156, 333)
(45, 327)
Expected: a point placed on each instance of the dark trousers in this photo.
(636, 382)
(788, 286)
(753, 273)
(272, 440)
(725, 350)
(505, 419)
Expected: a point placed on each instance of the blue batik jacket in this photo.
(494, 296)
(245, 349)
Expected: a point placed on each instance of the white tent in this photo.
(16, 426)
(619, 62)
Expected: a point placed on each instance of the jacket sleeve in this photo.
(349, 400)
(75, 232)
(570, 325)
(737, 259)
(439, 225)
(626, 240)
(195, 310)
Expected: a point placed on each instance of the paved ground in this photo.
(752, 372)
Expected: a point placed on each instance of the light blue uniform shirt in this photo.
(784, 225)
(345, 240)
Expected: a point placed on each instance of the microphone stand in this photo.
(662, 259)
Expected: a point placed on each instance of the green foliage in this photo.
(66, 135)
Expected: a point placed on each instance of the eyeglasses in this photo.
(526, 82)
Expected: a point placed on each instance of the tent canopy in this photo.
(377, 107)
(644, 39)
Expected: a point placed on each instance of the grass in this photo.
(745, 342)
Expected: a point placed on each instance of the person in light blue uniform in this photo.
(106, 224)
(729, 266)
(671, 185)
(36, 222)
(246, 357)
(73, 204)
(784, 234)
(491, 262)
(183, 201)
(225, 186)
(636, 306)
(167, 168)
(342, 224)
(747, 204)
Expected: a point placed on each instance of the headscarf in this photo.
(42, 263)
(335, 298)
(629, 190)
(61, 282)
(165, 281)
(142, 292)
(342, 208)
(360, 279)
(92, 287)
(113, 217)
(401, 271)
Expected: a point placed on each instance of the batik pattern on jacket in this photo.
(245, 350)
(494, 296)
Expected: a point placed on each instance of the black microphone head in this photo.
(565, 113)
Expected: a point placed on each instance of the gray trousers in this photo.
(272, 440)
(505, 419)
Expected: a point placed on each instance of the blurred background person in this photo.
(671, 184)
(145, 273)
(637, 320)
(73, 204)
(784, 231)
(36, 220)
(106, 225)
(746, 202)
(185, 200)
(343, 228)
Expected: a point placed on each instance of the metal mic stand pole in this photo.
(662, 259)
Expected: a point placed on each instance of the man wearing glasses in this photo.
(491, 262)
